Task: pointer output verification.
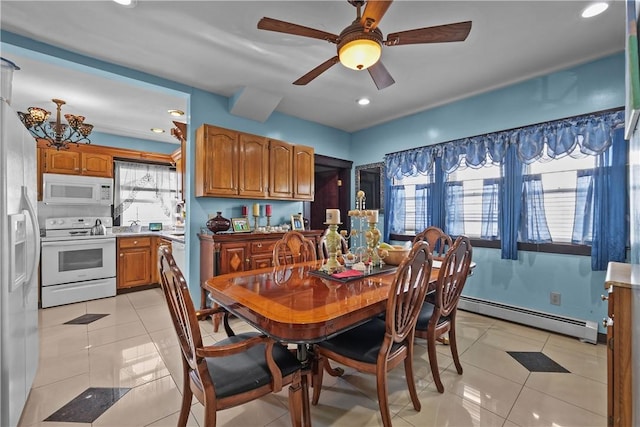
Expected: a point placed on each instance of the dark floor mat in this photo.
(536, 361)
(85, 319)
(88, 405)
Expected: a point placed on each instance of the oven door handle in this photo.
(60, 243)
(28, 206)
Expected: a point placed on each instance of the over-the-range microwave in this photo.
(60, 189)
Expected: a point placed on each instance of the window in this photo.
(144, 193)
(559, 180)
(560, 187)
(473, 210)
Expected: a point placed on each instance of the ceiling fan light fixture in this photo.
(360, 54)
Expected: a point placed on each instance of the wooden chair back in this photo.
(408, 292)
(453, 275)
(438, 240)
(224, 375)
(293, 248)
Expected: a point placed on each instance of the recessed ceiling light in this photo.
(157, 130)
(363, 101)
(176, 113)
(595, 9)
(126, 3)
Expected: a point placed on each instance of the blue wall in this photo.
(527, 282)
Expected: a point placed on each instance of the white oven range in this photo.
(76, 264)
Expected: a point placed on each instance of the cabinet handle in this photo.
(606, 322)
(604, 297)
(259, 245)
(135, 242)
(121, 254)
(247, 260)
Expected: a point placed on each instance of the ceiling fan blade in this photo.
(374, 10)
(380, 75)
(271, 24)
(439, 34)
(317, 71)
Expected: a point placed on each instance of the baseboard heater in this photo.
(584, 330)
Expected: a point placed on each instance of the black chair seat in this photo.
(426, 312)
(361, 343)
(245, 371)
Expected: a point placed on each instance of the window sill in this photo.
(554, 248)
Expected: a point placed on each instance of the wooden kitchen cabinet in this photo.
(216, 162)
(280, 169)
(303, 172)
(133, 262)
(253, 175)
(241, 165)
(620, 338)
(77, 163)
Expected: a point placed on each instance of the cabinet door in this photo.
(157, 242)
(280, 169)
(303, 172)
(216, 162)
(134, 267)
(65, 162)
(97, 165)
(261, 261)
(234, 257)
(254, 166)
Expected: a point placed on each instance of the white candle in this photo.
(333, 216)
(373, 216)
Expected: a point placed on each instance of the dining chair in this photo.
(438, 240)
(293, 248)
(438, 316)
(380, 345)
(233, 371)
(323, 252)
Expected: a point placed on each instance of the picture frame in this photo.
(240, 225)
(297, 222)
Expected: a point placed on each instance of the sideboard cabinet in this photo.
(241, 165)
(622, 336)
(231, 253)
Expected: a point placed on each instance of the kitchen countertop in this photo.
(167, 234)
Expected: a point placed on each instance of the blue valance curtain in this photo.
(513, 149)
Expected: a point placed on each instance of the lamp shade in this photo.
(360, 54)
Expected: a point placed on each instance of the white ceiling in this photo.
(216, 46)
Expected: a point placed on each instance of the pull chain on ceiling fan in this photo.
(360, 44)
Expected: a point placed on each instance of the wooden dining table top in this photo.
(292, 304)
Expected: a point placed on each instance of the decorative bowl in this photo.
(395, 255)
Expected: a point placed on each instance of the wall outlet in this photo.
(555, 298)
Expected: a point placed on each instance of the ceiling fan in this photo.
(360, 44)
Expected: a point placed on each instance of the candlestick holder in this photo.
(334, 247)
(268, 220)
(255, 222)
(372, 237)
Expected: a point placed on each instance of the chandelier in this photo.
(57, 134)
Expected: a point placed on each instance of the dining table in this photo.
(301, 304)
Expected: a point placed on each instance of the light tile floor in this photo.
(135, 347)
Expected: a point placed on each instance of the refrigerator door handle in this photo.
(28, 206)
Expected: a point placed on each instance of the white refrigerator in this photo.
(19, 259)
